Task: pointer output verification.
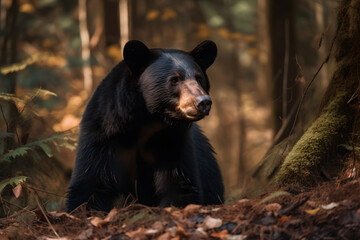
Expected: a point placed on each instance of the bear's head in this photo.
(173, 83)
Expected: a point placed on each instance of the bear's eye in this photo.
(174, 80)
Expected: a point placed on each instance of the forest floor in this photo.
(329, 211)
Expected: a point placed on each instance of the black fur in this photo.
(134, 140)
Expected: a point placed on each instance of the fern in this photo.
(27, 99)
(20, 151)
(42, 93)
(6, 135)
(12, 181)
(15, 67)
(43, 144)
(19, 102)
(12, 97)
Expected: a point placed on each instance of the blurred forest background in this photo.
(53, 54)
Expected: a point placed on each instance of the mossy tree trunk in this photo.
(337, 122)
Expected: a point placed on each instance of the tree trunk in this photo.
(264, 73)
(8, 55)
(85, 47)
(112, 28)
(124, 22)
(283, 62)
(339, 120)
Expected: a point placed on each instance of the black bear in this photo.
(138, 136)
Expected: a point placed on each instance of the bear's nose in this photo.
(203, 104)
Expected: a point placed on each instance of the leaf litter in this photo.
(329, 211)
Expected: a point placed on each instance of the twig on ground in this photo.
(44, 213)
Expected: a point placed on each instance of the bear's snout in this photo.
(194, 102)
(203, 104)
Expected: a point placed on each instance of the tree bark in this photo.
(283, 62)
(85, 47)
(8, 55)
(339, 120)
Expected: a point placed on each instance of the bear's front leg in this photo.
(174, 188)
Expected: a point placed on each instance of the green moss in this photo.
(313, 148)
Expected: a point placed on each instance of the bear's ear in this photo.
(136, 55)
(204, 54)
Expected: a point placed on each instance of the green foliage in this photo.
(6, 135)
(27, 100)
(350, 148)
(274, 195)
(15, 67)
(41, 93)
(11, 97)
(12, 181)
(44, 145)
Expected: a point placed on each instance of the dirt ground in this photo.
(329, 211)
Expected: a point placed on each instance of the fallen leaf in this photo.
(235, 237)
(204, 210)
(180, 231)
(17, 190)
(186, 223)
(138, 234)
(210, 222)
(165, 236)
(312, 211)
(272, 207)
(200, 231)
(151, 232)
(158, 226)
(190, 209)
(311, 203)
(86, 234)
(98, 222)
(177, 214)
(283, 219)
(172, 231)
(111, 215)
(221, 235)
(329, 206)
(168, 209)
(243, 201)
